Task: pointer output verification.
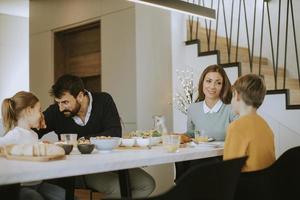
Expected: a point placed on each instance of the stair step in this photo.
(265, 69)
(289, 84)
(243, 55)
(295, 97)
(202, 36)
(220, 40)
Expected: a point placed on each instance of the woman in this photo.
(210, 114)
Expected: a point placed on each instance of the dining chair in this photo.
(279, 181)
(211, 181)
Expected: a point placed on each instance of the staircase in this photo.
(292, 88)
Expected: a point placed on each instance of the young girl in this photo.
(20, 114)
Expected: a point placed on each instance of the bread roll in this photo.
(42, 149)
(52, 150)
(20, 150)
(27, 150)
(38, 149)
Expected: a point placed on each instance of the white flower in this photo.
(185, 97)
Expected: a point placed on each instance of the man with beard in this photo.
(91, 114)
(79, 111)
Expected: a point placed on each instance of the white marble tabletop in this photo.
(13, 171)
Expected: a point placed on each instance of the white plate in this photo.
(218, 144)
(203, 145)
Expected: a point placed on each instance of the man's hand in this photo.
(42, 124)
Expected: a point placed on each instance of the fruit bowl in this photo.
(105, 144)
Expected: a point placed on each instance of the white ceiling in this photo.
(15, 7)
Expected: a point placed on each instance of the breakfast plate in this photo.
(199, 141)
(205, 145)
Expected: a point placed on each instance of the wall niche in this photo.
(77, 51)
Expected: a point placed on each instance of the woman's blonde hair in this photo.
(12, 107)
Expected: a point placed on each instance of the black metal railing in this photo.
(254, 35)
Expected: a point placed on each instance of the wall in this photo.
(154, 78)
(14, 53)
(118, 63)
(284, 123)
(153, 64)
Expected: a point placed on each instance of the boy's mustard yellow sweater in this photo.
(250, 136)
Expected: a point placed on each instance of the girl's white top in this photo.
(19, 135)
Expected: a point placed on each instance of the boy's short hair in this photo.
(67, 83)
(251, 88)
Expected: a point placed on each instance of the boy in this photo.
(250, 135)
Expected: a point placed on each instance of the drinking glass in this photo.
(69, 138)
(200, 136)
(171, 143)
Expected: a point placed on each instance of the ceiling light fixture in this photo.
(181, 6)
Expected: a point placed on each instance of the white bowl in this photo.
(155, 140)
(127, 142)
(142, 142)
(105, 144)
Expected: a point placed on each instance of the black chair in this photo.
(10, 192)
(213, 181)
(279, 181)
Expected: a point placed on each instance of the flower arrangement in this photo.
(184, 98)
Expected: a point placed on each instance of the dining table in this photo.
(120, 159)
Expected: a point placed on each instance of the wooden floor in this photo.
(84, 194)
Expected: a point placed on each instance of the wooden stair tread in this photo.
(265, 69)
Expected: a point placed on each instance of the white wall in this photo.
(119, 64)
(154, 79)
(14, 51)
(15, 7)
(153, 65)
(284, 123)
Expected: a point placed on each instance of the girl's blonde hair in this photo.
(12, 107)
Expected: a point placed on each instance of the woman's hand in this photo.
(185, 138)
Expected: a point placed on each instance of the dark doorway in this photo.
(77, 51)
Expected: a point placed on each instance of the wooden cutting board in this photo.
(4, 153)
(36, 158)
